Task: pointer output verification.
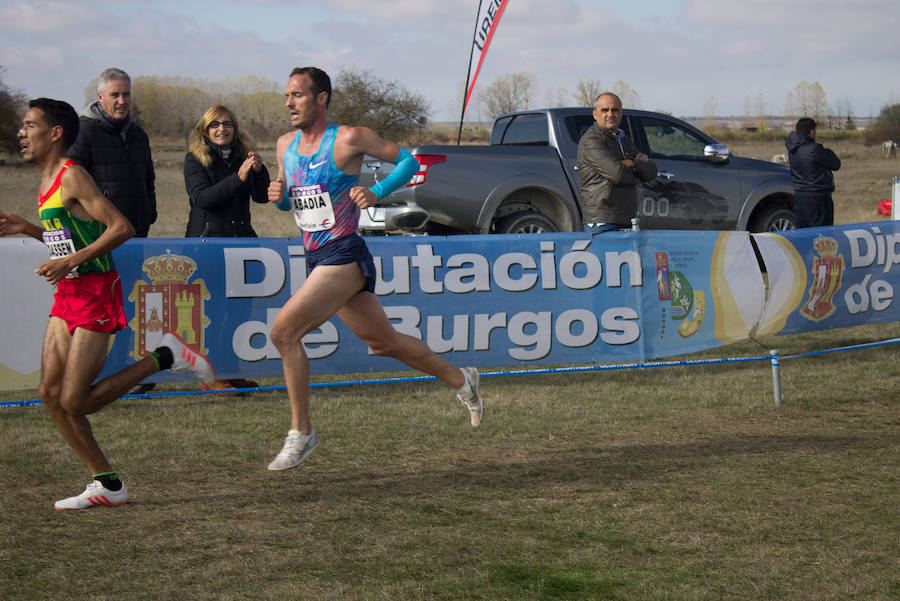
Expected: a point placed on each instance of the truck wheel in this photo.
(773, 219)
(525, 223)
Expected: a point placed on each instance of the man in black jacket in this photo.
(811, 169)
(611, 167)
(116, 151)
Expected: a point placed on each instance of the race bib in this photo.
(313, 211)
(59, 242)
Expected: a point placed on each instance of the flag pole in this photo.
(468, 74)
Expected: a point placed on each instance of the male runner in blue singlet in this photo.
(318, 173)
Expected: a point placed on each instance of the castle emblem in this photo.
(170, 302)
(827, 273)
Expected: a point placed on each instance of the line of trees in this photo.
(171, 106)
(517, 91)
(886, 126)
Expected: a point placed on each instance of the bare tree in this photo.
(388, 108)
(510, 92)
(628, 95)
(760, 109)
(841, 115)
(587, 91)
(808, 100)
(557, 97)
(709, 112)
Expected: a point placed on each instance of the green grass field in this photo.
(658, 484)
(681, 483)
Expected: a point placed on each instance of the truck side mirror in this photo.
(716, 153)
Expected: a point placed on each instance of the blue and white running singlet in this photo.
(319, 193)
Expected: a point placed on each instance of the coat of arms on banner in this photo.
(170, 302)
(827, 273)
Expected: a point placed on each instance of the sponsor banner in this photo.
(831, 277)
(481, 300)
(478, 300)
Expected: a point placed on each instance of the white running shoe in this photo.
(94, 494)
(472, 401)
(186, 359)
(297, 447)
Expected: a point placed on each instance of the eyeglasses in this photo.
(225, 124)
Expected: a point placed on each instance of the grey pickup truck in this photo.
(526, 181)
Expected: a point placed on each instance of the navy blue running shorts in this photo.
(349, 249)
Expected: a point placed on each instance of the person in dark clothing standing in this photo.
(115, 151)
(611, 168)
(811, 170)
(221, 174)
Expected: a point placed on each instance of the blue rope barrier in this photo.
(845, 348)
(518, 372)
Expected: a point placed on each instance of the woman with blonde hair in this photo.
(221, 174)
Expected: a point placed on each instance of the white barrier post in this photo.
(776, 375)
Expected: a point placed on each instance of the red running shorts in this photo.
(92, 301)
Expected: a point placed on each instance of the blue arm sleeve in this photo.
(285, 204)
(405, 167)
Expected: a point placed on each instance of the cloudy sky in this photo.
(677, 54)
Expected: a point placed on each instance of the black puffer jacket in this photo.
(118, 158)
(811, 164)
(220, 201)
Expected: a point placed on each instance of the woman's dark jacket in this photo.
(220, 201)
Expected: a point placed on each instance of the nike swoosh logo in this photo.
(102, 321)
(316, 165)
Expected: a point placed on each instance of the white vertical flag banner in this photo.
(489, 12)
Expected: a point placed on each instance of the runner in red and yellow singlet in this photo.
(81, 228)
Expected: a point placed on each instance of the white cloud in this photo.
(675, 54)
(40, 16)
(399, 9)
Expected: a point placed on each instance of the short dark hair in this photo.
(321, 81)
(805, 125)
(57, 112)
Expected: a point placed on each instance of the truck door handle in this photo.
(665, 175)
